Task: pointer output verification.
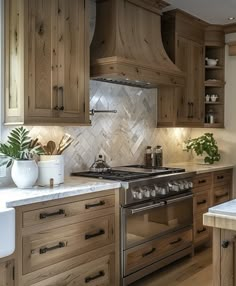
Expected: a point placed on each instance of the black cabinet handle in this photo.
(61, 89)
(149, 252)
(201, 230)
(225, 243)
(56, 89)
(100, 232)
(176, 241)
(46, 249)
(45, 215)
(221, 196)
(201, 202)
(201, 181)
(189, 110)
(220, 177)
(91, 278)
(191, 106)
(101, 203)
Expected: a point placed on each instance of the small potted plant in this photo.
(19, 151)
(205, 146)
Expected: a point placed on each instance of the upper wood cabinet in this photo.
(47, 62)
(183, 39)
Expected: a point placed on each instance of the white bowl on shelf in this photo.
(211, 62)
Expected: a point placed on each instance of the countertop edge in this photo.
(219, 221)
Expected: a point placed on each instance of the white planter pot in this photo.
(24, 173)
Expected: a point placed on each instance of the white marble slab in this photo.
(201, 168)
(228, 208)
(74, 186)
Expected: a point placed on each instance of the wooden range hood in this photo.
(127, 45)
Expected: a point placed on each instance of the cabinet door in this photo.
(183, 61)
(189, 58)
(73, 59)
(6, 274)
(42, 57)
(196, 79)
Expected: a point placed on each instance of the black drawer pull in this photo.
(201, 181)
(100, 232)
(88, 206)
(220, 177)
(176, 241)
(45, 215)
(91, 278)
(201, 230)
(201, 202)
(46, 249)
(225, 243)
(149, 252)
(221, 196)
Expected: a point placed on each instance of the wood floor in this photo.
(195, 271)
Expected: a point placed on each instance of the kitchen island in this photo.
(222, 218)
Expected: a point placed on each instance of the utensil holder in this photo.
(60, 160)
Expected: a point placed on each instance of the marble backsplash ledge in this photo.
(121, 137)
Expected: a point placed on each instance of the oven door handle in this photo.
(171, 201)
(142, 209)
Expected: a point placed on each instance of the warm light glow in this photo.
(231, 18)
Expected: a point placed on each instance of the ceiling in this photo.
(211, 11)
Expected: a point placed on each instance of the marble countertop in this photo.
(201, 168)
(73, 186)
(222, 216)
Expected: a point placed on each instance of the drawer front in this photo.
(222, 177)
(201, 202)
(221, 194)
(201, 232)
(99, 272)
(51, 246)
(140, 256)
(87, 208)
(201, 182)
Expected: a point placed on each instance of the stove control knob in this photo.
(134, 194)
(175, 187)
(190, 185)
(153, 193)
(181, 185)
(146, 192)
(140, 195)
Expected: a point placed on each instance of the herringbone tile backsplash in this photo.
(121, 137)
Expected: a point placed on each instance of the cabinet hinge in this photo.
(84, 106)
(13, 273)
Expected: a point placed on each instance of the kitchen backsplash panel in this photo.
(121, 137)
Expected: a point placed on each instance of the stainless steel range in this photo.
(156, 217)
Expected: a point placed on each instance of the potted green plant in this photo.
(206, 146)
(19, 151)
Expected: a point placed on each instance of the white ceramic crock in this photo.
(24, 173)
(58, 159)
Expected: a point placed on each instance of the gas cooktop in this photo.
(128, 173)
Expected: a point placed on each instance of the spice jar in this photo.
(148, 157)
(157, 160)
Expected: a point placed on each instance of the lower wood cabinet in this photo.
(209, 189)
(224, 257)
(72, 241)
(7, 273)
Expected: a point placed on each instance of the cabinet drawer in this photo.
(201, 182)
(201, 232)
(221, 194)
(51, 246)
(201, 202)
(222, 177)
(87, 208)
(99, 272)
(140, 256)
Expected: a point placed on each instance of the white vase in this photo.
(24, 173)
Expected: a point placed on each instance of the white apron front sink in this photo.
(7, 231)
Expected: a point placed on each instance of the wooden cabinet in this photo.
(209, 189)
(183, 38)
(214, 76)
(69, 241)
(47, 62)
(7, 273)
(224, 257)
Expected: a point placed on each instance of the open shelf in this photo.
(214, 125)
(213, 103)
(214, 67)
(214, 83)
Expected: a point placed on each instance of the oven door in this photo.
(144, 222)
